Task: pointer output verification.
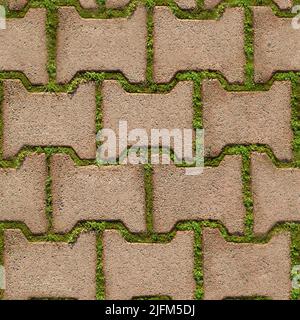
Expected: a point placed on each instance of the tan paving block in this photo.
(276, 193)
(241, 118)
(23, 46)
(210, 4)
(199, 44)
(101, 45)
(246, 269)
(173, 110)
(284, 4)
(274, 41)
(22, 193)
(89, 4)
(148, 269)
(16, 4)
(186, 4)
(114, 193)
(216, 194)
(49, 269)
(116, 3)
(49, 119)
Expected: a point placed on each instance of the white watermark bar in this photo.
(2, 278)
(2, 18)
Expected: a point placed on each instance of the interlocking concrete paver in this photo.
(173, 110)
(210, 4)
(215, 194)
(241, 118)
(23, 46)
(186, 4)
(23, 195)
(49, 269)
(97, 193)
(89, 4)
(148, 269)
(116, 3)
(276, 193)
(101, 44)
(284, 4)
(189, 45)
(274, 40)
(49, 119)
(17, 4)
(245, 269)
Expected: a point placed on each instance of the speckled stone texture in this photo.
(148, 269)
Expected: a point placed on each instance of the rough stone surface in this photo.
(49, 119)
(97, 193)
(17, 4)
(241, 118)
(173, 110)
(186, 4)
(189, 45)
(49, 269)
(246, 269)
(274, 40)
(210, 4)
(215, 194)
(22, 193)
(116, 3)
(276, 193)
(23, 46)
(141, 269)
(89, 4)
(101, 44)
(284, 4)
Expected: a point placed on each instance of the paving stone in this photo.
(274, 41)
(216, 194)
(148, 269)
(284, 4)
(97, 193)
(116, 3)
(49, 269)
(186, 4)
(89, 4)
(246, 269)
(189, 45)
(241, 118)
(210, 4)
(16, 4)
(101, 45)
(276, 193)
(173, 110)
(23, 46)
(49, 119)
(22, 193)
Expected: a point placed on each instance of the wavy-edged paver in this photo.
(210, 4)
(215, 194)
(254, 117)
(49, 269)
(114, 193)
(23, 46)
(276, 193)
(148, 269)
(233, 270)
(173, 110)
(23, 193)
(183, 44)
(186, 4)
(276, 44)
(16, 4)
(117, 44)
(89, 4)
(116, 4)
(284, 4)
(49, 119)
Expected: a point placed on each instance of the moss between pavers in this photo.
(150, 87)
